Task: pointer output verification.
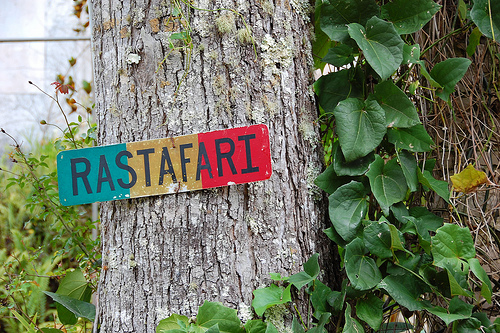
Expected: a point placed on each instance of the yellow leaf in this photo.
(467, 180)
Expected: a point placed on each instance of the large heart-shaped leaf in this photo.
(447, 73)
(347, 207)
(409, 167)
(486, 15)
(377, 237)
(457, 310)
(337, 86)
(361, 270)
(438, 186)
(172, 324)
(387, 182)
(409, 16)
(451, 245)
(214, 313)
(405, 290)
(264, 298)
(337, 14)
(355, 168)
(79, 308)
(381, 45)
(411, 54)
(399, 110)
(76, 286)
(361, 126)
(339, 55)
(414, 139)
(370, 310)
(329, 181)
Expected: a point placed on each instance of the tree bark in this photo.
(167, 254)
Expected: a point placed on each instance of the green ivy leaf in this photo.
(447, 73)
(335, 237)
(319, 299)
(75, 286)
(425, 222)
(264, 298)
(377, 238)
(329, 181)
(361, 270)
(311, 271)
(258, 326)
(409, 16)
(172, 324)
(452, 246)
(409, 166)
(457, 310)
(337, 299)
(387, 182)
(338, 13)
(381, 45)
(399, 110)
(414, 139)
(479, 272)
(351, 325)
(370, 310)
(411, 54)
(361, 126)
(214, 313)
(79, 308)
(438, 186)
(468, 325)
(347, 207)
(354, 168)
(474, 40)
(296, 326)
(486, 15)
(336, 87)
(50, 330)
(339, 55)
(321, 43)
(405, 290)
(320, 327)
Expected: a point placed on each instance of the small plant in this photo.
(53, 243)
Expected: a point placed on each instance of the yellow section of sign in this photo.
(164, 165)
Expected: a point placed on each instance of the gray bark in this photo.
(167, 254)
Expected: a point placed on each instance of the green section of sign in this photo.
(93, 174)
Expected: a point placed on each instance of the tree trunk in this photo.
(167, 254)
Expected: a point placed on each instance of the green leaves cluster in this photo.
(392, 248)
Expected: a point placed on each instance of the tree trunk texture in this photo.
(167, 254)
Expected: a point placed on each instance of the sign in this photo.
(162, 166)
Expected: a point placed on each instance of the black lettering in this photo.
(83, 174)
(126, 167)
(227, 155)
(103, 166)
(166, 157)
(202, 154)
(184, 160)
(147, 172)
(249, 168)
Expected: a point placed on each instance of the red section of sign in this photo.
(234, 156)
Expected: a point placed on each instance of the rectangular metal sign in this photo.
(162, 166)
